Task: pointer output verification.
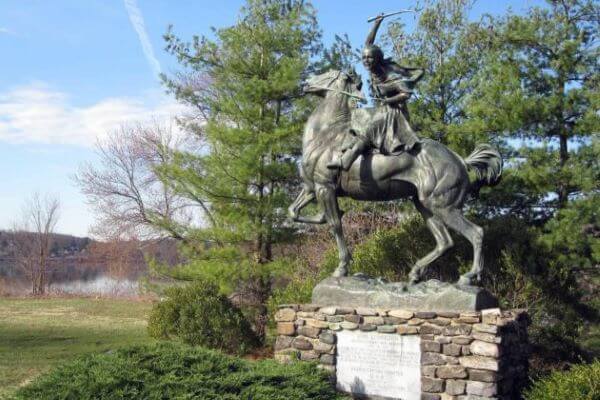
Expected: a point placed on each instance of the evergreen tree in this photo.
(244, 86)
(540, 90)
(340, 55)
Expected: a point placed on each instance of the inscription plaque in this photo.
(379, 366)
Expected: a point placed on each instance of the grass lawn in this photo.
(37, 334)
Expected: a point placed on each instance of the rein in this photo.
(339, 91)
(342, 92)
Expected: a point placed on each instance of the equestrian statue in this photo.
(373, 154)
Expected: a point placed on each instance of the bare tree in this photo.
(125, 189)
(33, 239)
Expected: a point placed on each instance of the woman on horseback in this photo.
(385, 128)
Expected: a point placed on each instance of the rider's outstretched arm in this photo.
(371, 38)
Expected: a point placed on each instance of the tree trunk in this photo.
(563, 191)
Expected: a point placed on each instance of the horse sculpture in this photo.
(434, 177)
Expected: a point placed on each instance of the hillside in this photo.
(61, 244)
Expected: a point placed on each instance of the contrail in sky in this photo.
(135, 16)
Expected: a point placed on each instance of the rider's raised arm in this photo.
(371, 38)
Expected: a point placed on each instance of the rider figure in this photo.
(387, 129)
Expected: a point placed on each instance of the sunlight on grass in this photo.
(36, 334)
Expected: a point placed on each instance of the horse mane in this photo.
(331, 139)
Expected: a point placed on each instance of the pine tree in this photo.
(539, 90)
(244, 89)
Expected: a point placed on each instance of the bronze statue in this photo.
(386, 161)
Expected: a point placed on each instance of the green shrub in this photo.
(297, 291)
(391, 253)
(198, 314)
(582, 382)
(299, 282)
(176, 371)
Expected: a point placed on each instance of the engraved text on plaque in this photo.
(380, 365)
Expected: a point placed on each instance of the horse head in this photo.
(335, 82)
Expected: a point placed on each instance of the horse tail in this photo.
(486, 163)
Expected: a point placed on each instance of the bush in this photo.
(582, 382)
(198, 315)
(176, 371)
(391, 253)
(297, 285)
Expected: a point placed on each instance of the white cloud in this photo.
(137, 20)
(6, 31)
(39, 114)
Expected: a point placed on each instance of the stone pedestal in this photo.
(398, 353)
(361, 291)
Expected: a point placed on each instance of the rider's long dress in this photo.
(386, 126)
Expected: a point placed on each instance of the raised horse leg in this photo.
(474, 233)
(305, 197)
(328, 201)
(443, 242)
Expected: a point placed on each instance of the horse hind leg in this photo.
(474, 234)
(443, 243)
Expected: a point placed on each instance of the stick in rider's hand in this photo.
(382, 15)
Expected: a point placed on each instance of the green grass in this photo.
(37, 334)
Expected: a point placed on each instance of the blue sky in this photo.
(72, 70)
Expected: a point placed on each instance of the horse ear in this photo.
(355, 78)
(353, 74)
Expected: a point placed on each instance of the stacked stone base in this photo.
(464, 356)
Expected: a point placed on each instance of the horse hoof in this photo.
(469, 279)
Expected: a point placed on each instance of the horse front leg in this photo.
(305, 197)
(327, 199)
(302, 200)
